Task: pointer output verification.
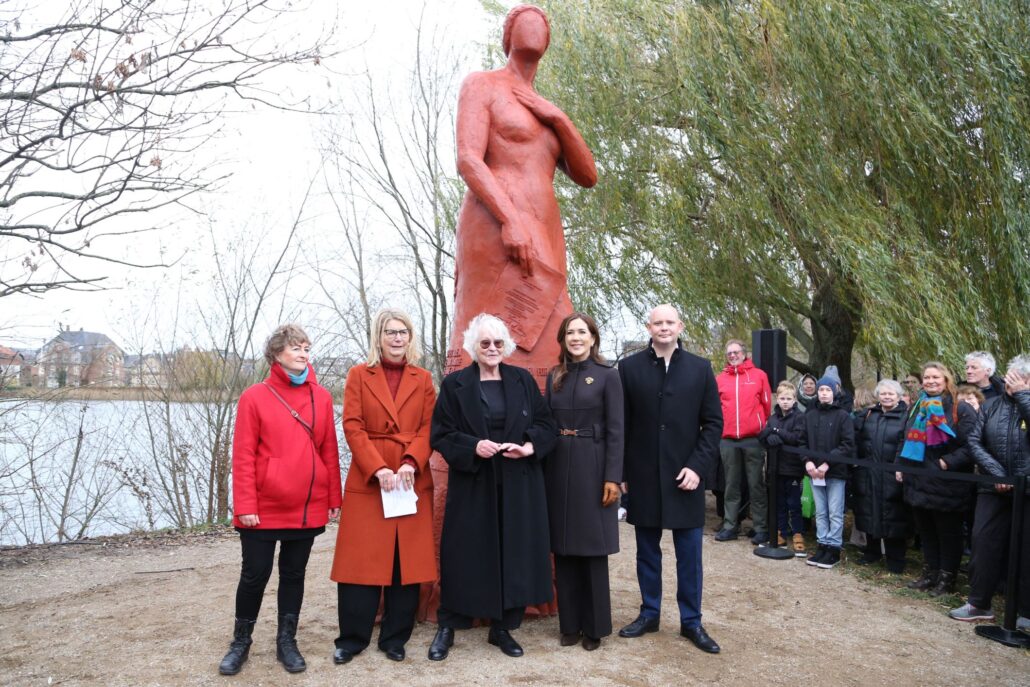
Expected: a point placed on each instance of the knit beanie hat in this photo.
(831, 373)
(829, 381)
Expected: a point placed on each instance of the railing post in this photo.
(1007, 633)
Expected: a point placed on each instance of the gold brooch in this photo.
(590, 380)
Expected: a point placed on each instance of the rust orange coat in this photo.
(381, 431)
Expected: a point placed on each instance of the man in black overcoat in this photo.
(673, 427)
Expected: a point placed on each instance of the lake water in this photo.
(138, 465)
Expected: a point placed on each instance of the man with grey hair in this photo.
(980, 368)
(1000, 445)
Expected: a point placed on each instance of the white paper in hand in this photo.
(398, 502)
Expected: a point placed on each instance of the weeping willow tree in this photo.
(854, 172)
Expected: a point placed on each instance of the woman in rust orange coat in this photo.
(387, 408)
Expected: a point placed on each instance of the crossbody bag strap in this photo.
(308, 428)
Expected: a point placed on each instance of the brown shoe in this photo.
(799, 545)
(780, 541)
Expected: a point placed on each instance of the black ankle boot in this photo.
(238, 649)
(945, 584)
(286, 651)
(927, 580)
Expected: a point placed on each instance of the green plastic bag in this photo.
(807, 500)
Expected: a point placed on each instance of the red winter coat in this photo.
(746, 400)
(279, 473)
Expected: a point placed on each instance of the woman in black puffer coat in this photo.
(880, 509)
(935, 441)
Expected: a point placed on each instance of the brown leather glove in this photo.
(611, 494)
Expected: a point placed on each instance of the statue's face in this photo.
(529, 34)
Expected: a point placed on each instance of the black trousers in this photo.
(584, 596)
(892, 548)
(258, 558)
(941, 535)
(511, 619)
(991, 532)
(356, 605)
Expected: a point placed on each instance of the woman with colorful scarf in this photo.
(935, 442)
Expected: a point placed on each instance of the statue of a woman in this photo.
(510, 244)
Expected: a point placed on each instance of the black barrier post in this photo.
(1007, 634)
(772, 550)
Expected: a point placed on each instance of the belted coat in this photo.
(381, 431)
(588, 403)
(673, 421)
(494, 547)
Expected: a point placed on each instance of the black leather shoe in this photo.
(700, 638)
(570, 639)
(341, 656)
(590, 643)
(442, 643)
(504, 640)
(727, 534)
(639, 627)
(394, 653)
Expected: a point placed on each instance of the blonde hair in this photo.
(375, 343)
(785, 386)
(283, 336)
(949, 379)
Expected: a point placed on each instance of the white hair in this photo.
(985, 359)
(488, 325)
(888, 384)
(1020, 364)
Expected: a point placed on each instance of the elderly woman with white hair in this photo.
(493, 428)
(880, 509)
(1000, 445)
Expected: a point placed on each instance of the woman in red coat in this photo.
(387, 408)
(285, 486)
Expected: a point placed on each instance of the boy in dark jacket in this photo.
(828, 429)
(784, 428)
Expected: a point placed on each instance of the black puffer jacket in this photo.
(828, 428)
(879, 506)
(788, 429)
(1000, 441)
(925, 490)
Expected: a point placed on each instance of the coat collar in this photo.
(470, 398)
(381, 390)
(277, 377)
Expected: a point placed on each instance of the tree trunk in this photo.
(836, 319)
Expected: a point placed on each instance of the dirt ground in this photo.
(158, 611)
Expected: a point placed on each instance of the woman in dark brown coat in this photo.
(582, 477)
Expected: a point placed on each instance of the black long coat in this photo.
(673, 421)
(924, 490)
(788, 428)
(590, 401)
(493, 556)
(879, 505)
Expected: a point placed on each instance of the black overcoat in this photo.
(485, 567)
(590, 402)
(923, 490)
(673, 421)
(879, 505)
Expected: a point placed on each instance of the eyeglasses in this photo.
(497, 343)
(389, 333)
(733, 354)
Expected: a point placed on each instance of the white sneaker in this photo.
(1023, 624)
(622, 514)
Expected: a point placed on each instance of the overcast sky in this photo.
(271, 155)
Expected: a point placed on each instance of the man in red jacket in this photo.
(746, 403)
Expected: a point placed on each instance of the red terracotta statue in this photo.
(510, 244)
(510, 257)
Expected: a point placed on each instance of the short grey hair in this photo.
(985, 359)
(494, 327)
(888, 384)
(283, 336)
(1020, 364)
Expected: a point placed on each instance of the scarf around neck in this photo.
(297, 380)
(929, 428)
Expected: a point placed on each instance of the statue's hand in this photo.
(544, 110)
(518, 246)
